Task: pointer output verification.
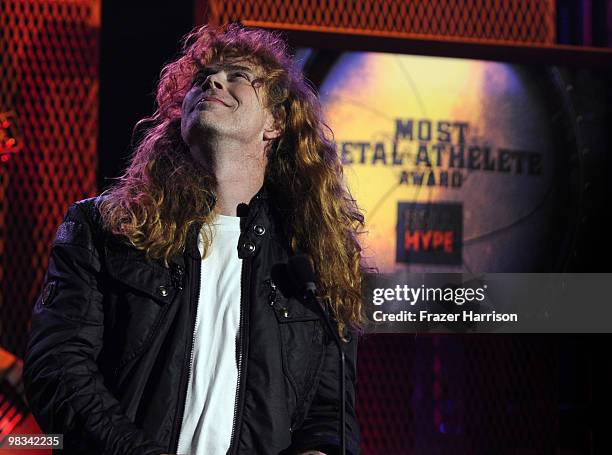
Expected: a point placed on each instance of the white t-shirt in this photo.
(212, 384)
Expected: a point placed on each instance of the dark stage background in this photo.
(76, 76)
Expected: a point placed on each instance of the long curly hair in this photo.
(164, 190)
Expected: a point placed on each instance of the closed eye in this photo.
(240, 74)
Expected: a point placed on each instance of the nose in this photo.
(214, 81)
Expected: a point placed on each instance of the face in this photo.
(224, 103)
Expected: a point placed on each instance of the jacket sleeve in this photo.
(320, 429)
(64, 386)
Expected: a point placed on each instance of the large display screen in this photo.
(460, 165)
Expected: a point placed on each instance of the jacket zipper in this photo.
(242, 351)
(176, 431)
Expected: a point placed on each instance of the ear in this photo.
(271, 128)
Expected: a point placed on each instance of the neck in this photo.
(236, 185)
(239, 170)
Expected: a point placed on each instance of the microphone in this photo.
(300, 273)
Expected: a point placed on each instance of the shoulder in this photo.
(86, 209)
(82, 222)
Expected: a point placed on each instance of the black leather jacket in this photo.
(112, 332)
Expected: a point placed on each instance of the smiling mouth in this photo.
(209, 99)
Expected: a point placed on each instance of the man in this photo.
(161, 328)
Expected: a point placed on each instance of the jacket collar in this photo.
(257, 210)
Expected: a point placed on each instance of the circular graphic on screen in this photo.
(453, 161)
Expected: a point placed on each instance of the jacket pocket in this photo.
(142, 292)
(302, 347)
